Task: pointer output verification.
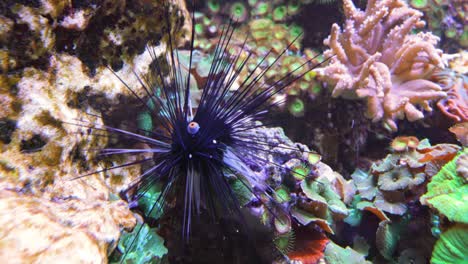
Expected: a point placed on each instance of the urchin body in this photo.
(195, 147)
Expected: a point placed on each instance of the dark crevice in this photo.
(32, 145)
(7, 127)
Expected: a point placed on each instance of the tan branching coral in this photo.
(375, 58)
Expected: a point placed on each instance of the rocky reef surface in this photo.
(54, 84)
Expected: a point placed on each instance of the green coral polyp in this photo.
(451, 33)
(297, 107)
(285, 242)
(419, 4)
(282, 195)
(316, 89)
(238, 12)
(293, 8)
(279, 14)
(300, 172)
(199, 29)
(262, 8)
(214, 6)
(295, 31)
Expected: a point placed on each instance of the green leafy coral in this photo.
(448, 192)
(335, 254)
(143, 245)
(451, 247)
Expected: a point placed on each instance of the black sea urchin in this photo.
(195, 146)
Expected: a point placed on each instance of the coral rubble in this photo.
(377, 59)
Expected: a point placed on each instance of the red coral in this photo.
(310, 246)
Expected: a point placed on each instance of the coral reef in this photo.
(42, 106)
(391, 192)
(54, 83)
(377, 59)
(42, 154)
(305, 191)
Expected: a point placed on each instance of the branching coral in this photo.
(378, 60)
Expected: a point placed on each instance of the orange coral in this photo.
(377, 59)
(460, 131)
(310, 246)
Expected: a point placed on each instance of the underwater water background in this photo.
(363, 161)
